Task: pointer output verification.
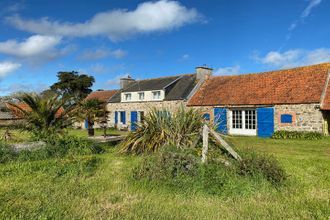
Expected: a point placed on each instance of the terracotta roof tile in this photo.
(103, 95)
(326, 102)
(291, 86)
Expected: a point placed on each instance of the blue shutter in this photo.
(123, 117)
(133, 120)
(206, 116)
(86, 123)
(286, 118)
(116, 117)
(220, 119)
(265, 121)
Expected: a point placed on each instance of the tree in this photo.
(72, 85)
(91, 110)
(44, 117)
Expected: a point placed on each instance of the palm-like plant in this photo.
(44, 117)
(91, 110)
(160, 128)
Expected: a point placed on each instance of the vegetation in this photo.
(91, 110)
(45, 118)
(73, 86)
(100, 186)
(160, 128)
(297, 135)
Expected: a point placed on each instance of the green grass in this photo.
(100, 186)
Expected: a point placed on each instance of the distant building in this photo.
(136, 97)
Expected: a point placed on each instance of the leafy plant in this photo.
(160, 128)
(6, 153)
(254, 164)
(45, 118)
(297, 135)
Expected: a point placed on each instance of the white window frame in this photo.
(156, 92)
(128, 95)
(243, 130)
(141, 94)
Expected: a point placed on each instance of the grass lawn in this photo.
(100, 186)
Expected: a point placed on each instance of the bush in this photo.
(182, 170)
(253, 164)
(297, 135)
(161, 128)
(7, 153)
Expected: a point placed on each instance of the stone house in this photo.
(295, 99)
(101, 95)
(137, 97)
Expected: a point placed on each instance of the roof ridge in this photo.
(163, 77)
(274, 71)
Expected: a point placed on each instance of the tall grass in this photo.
(160, 128)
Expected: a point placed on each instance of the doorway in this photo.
(326, 116)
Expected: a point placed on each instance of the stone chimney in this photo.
(126, 81)
(203, 72)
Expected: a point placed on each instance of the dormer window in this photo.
(141, 96)
(128, 97)
(156, 95)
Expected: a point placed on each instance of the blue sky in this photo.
(110, 39)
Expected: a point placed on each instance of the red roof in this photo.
(102, 95)
(326, 102)
(291, 86)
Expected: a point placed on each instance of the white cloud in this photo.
(148, 17)
(97, 68)
(23, 87)
(233, 70)
(295, 57)
(305, 13)
(32, 46)
(312, 4)
(8, 67)
(98, 54)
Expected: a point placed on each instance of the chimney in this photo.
(126, 81)
(203, 72)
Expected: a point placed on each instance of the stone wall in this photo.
(139, 106)
(305, 117)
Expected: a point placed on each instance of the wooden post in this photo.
(205, 143)
(225, 144)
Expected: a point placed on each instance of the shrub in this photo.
(160, 128)
(297, 135)
(7, 153)
(253, 164)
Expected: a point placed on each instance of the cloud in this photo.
(33, 46)
(97, 68)
(98, 54)
(23, 87)
(312, 4)
(8, 67)
(148, 17)
(232, 70)
(295, 57)
(305, 13)
(184, 57)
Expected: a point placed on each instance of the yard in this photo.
(100, 186)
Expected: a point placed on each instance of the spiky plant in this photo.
(160, 128)
(44, 117)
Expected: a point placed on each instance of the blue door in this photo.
(123, 117)
(116, 117)
(86, 123)
(133, 120)
(220, 119)
(265, 121)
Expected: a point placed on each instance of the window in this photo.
(286, 118)
(237, 119)
(156, 95)
(140, 116)
(206, 117)
(250, 119)
(244, 119)
(141, 95)
(128, 96)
